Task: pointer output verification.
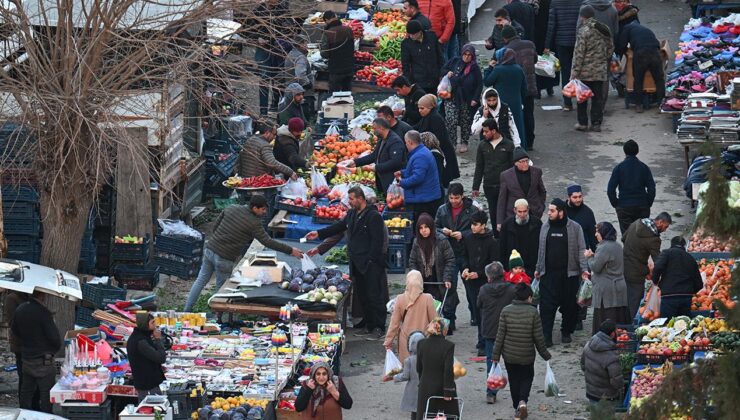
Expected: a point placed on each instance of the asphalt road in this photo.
(566, 156)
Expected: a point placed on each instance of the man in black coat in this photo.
(411, 10)
(366, 241)
(338, 46)
(494, 156)
(388, 156)
(421, 57)
(584, 216)
(523, 14)
(521, 232)
(646, 57)
(397, 126)
(33, 324)
(677, 274)
(411, 93)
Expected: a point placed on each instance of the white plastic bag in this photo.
(264, 277)
(444, 89)
(172, 227)
(295, 189)
(497, 378)
(551, 386)
(546, 65)
(585, 293)
(333, 128)
(536, 291)
(392, 365)
(319, 186)
(391, 305)
(307, 263)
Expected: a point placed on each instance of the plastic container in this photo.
(13, 194)
(19, 210)
(30, 226)
(183, 270)
(401, 235)
(292, 209)
(101, 295)
(100, 411)
(84, 318)
(184, 246)
(397, 258)
(131, 252)
(137, 277)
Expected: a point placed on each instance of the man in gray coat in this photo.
(560, 260)
(600, 364)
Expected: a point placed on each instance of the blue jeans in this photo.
(451, 48)
(211, 262)
(489, 342)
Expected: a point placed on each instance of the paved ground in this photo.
(565, 156)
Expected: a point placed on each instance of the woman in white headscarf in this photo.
(413, 311)
(493, 107)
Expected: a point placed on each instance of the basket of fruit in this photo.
(297, 205)
(328, 214)
(400, 230)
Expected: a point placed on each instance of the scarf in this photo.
(607, 231)
(414, 287)
(651, 225)
(427, 245)
(320, 393)
(474, 62)
(505, 56)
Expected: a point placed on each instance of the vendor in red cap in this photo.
(516, 272)
(287, 145)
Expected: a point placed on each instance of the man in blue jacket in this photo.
(636, 187)
(420, 179)
(388, 156)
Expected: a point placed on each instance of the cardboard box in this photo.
(275, 272)
(339, 105)
(648, 84)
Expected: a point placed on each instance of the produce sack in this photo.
(547, 65)
(392, 365)
(295, 189)
(585, 293)
(307, 263)
(650, 308)
(536, 291)
(444, 89)
(497, 378)
(394, 196)
(319, 186)
(577, 89)
(551, 386)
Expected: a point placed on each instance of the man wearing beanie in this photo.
(521, 181)
(146, 355)
(526, 57)
(287, 146)
(421, 57)
(338, 46)
(636, 186)
(291, 104)
(593, 50)
(584, 216)
(560, 262)
(600, 365)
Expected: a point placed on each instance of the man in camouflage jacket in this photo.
(594, 48)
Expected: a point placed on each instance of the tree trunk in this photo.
(64, 213)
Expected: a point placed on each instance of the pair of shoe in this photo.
(521, 411)
(490, 399)
(579, 326)
(580, 127)
(375, 334)
(473, 322)
(640, 109)
(566, 339)
(481, 352)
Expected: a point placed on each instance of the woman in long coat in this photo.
(609, 287)
(433, 122)
(507, 77)
(432, 255)
(435, 357)
(413, 311)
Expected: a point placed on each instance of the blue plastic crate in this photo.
(136, 277)
(84, 318)
(184, 246)
(397, 258)
(101, 295)
(20, 210)
(390, 214)
(23, 243)
(33, 257)
(131, 252)
(180, 269)
(30, 227)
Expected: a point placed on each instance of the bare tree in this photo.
(72, 70)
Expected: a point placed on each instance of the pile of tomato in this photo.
(334, 212)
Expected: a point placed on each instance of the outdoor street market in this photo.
(335, 210)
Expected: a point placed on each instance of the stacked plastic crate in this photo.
(178, 254)
(88, 251)
(22, 223)
(221, 151)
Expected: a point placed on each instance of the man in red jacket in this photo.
(442, 15)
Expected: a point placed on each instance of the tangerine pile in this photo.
(719, 282)
(335, 150)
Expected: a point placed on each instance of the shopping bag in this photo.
(546, 65)
(551, 386)
(295, 189)
(319, 186)
(650, 308)
(394, 196)
(577, 89)
(585, 293)
(307, 263)
(497, 378)
(444, 89)
(392, 365)
(333, 128)
(536, 291)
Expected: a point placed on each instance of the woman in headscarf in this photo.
(507, 77)
(607, 268)
(434, 123)
(432, 255)
(322, 395)
(435, 357)
(465, 80)
(413, 311)
(493, 107)
(430, 141)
